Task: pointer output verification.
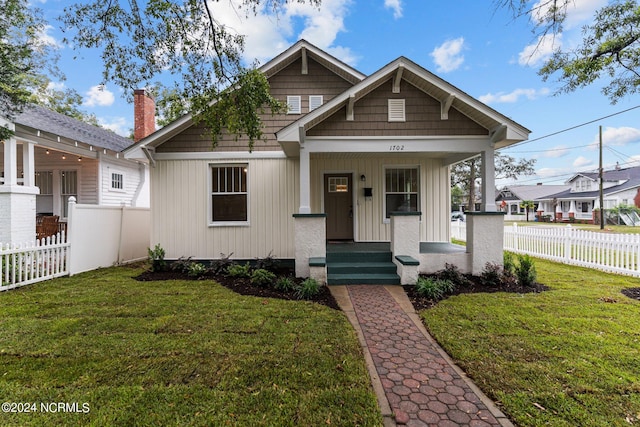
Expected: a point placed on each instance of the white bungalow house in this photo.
(358, 165)
(53, 157)
(621, 186)
(509, 199)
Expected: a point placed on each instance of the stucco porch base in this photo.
(434, 256)
(18, 222)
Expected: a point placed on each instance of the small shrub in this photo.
(308, 289)
(222, 265)
(181, 264)
(433, 288)
(285, 284)
(196, 270)
(238, 270)
(526, 271)
(491, 274)
(156, 255)
(267, 263)
(262, 277)
(452, 274)
(508, 264)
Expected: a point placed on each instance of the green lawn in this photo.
(620, 229)
(566, 357)
(177, 353)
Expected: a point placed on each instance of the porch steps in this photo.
(361, 267)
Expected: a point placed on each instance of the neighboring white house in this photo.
(53, 157)
(355, 159)
(509, 199)
(621, 186)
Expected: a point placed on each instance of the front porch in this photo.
(398, 261)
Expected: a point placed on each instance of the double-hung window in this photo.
(401, 190)
(229, 202)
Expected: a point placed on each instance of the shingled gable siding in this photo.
(289, 81)
(422, 117)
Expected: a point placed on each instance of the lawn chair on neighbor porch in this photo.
(48, 226)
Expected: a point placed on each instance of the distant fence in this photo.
(98, 236)
(27, 263)
(617, 253)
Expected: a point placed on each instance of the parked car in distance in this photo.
(457, 216)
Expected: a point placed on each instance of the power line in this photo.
(573, 127)
(551, 149)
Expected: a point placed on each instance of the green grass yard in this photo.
(177, 353)
(565, 357)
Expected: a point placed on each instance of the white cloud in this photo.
(266, 34)
(557, 151)
(513, 96)
(448, 56)
(536, 53)
(46, 39)
(119, 125)
(616, 137)
(396, 6)
(578, 12)
(99, 96)
(582, 161)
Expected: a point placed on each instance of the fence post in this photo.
(516, 247)
(70, 234)
(568, 237)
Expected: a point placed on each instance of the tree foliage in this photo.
(141, 41)
(609, 50)
(466, 174)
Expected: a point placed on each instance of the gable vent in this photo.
(295, 104)
(315, 101)
(396, 110)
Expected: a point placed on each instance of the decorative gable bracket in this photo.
(445, 105)
(350, 104)
(397, 79)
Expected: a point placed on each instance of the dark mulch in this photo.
(472, 285)
(243, 286)
(632, 293)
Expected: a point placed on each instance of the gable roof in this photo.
(41, 119)
(502, 129)
(630, 178)
(301, 49)
(531, 192)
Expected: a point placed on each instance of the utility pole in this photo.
(600, 173)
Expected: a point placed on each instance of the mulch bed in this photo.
(243, 286)
(472, 285)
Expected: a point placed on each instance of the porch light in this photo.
(64, 157)
(79, 159)
(363, 178)
(48, 152)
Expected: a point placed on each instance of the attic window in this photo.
(315, 101)
(295, 104)
(396, 110)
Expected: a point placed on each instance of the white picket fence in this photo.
(616, 253)
(23, 264)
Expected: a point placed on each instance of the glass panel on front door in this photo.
(338, 184)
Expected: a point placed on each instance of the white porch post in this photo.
(485, 239)
(488, 181)
(28, 164)
(11, 162)
(305, 181)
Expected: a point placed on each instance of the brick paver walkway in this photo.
(420, 384)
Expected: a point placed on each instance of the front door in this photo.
(338, 205)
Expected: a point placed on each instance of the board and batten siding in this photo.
(370, 225)
(180, 206)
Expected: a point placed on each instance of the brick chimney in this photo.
(144, 114)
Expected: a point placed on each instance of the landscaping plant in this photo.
(156, 255)
(491, 274)
(308, 289)
(239, 270)
(285, 284)
(526, 271)
(434, 288)
(197, 270)
(262, 277)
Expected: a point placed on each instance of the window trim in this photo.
(236, 223)
(386, 220)
(291, 101)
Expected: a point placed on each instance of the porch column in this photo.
(485, 239)
(18, 202)
(11, 162)
(310, 240)
(28, 164)
(572, 209)
(305, 182)
(488, 181)
(559, 211)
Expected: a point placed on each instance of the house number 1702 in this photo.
(396, 147)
